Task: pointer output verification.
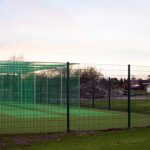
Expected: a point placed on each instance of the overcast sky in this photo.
(97, 31)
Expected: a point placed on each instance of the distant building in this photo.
(147, 87)
(135, 84)
(138, 85)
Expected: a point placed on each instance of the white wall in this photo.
(148, 89)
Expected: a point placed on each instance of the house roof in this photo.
(148, 83)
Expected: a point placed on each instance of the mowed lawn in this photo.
(134, 139)
(53, 119)
(19, 119)
(137, 105)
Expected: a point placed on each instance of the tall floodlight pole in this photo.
(61, 87)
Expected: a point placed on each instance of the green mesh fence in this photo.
(104, 91)
(33, 97)
(27, 82)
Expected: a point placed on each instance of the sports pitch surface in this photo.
(34, 118)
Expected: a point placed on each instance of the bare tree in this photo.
(16, 58)
(88, 73)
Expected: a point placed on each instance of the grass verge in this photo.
(135, 139)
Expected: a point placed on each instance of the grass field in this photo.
(137, 105)
(30, 118)
(135, 139)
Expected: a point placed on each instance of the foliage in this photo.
(115, 140)
(16, 58)
(89, 73)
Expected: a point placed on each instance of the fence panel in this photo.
(140, 96)
(54, 97)
(103, 98)
(32, 97)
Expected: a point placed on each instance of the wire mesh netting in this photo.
(34, 97)
(104, 97)
(103, 104)
(140, 96)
